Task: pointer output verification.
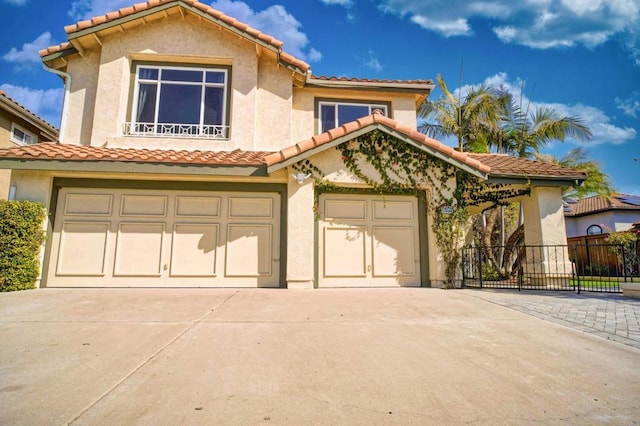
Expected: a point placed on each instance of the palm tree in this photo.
(597, 182)
(523, 133)
(467, 118)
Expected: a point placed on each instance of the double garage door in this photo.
(155, 238)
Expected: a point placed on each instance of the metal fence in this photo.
(562, 267)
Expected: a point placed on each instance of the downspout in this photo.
(67, 87)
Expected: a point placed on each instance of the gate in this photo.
(575, 267)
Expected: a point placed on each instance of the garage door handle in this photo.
(276, 259)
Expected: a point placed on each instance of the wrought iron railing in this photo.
(176, 130)
(549, 267)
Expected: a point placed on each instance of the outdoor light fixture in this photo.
(300, 177)
(12, 191)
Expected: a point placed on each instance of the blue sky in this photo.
(581, 57)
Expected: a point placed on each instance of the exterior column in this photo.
(545, 237)
(300, 234)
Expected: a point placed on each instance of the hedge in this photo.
(21, 237)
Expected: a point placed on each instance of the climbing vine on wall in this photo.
(389, 165)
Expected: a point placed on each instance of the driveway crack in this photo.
(150, 358)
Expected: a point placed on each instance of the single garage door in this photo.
(156, 238)
(368, 241)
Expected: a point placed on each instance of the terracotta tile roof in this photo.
(69, 152)
(505, 165)
(47, 129)
(370, 80)
(371, 120)
(599, 203)
(251, 32)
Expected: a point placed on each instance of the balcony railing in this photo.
(176, 130)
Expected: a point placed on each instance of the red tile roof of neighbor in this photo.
(600, 203)
(48, 130)
(493, 164)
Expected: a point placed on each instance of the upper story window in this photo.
(179, 102)
(594, 229)
(335, 114)
(22, 136)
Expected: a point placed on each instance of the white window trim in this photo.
(132, 128)
(32, 136)
(335, 104)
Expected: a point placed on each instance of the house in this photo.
(19, 126)
(600, 214)
(195, 152)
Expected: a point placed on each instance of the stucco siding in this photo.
(304, 119)
(260, 97)
(81, 100)
(273, 107)
(610, 220)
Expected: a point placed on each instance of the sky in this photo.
(580, 57)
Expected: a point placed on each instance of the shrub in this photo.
(597, 269)
(21, 236)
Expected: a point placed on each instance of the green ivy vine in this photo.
(401, 168)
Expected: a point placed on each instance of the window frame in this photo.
(27, 133)
(135, 92)
(594, 226)
(372, 104)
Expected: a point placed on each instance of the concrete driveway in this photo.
(370, 356)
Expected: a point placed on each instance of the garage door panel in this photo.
(88, 204)
(143, 205)
(194, 249)
(393, 251)
(345, 209)
(393, 210)
(344, 252)
(248, 250)
(139, 249)
(199, 207)
(82, 248)
(249, 208)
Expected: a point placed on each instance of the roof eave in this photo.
(392, 132)
(111, 166)
(44, 127)
(422, 88)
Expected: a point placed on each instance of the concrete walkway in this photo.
(245, 357)
(610, 316)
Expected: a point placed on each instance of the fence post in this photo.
(624, 263)
(480, 264)
(576, 266)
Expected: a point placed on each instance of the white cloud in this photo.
(46, 103)
(28, 55)
(372, 62)
(540, 24)
(274, 20)
(597, 121)
(346, 3)
(631, 105)
(86, 9)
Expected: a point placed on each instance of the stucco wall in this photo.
(611, 220)
(305, 122)
(261, 91)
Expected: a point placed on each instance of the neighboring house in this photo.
(600, 214)
(196, 152)
(19, 126)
